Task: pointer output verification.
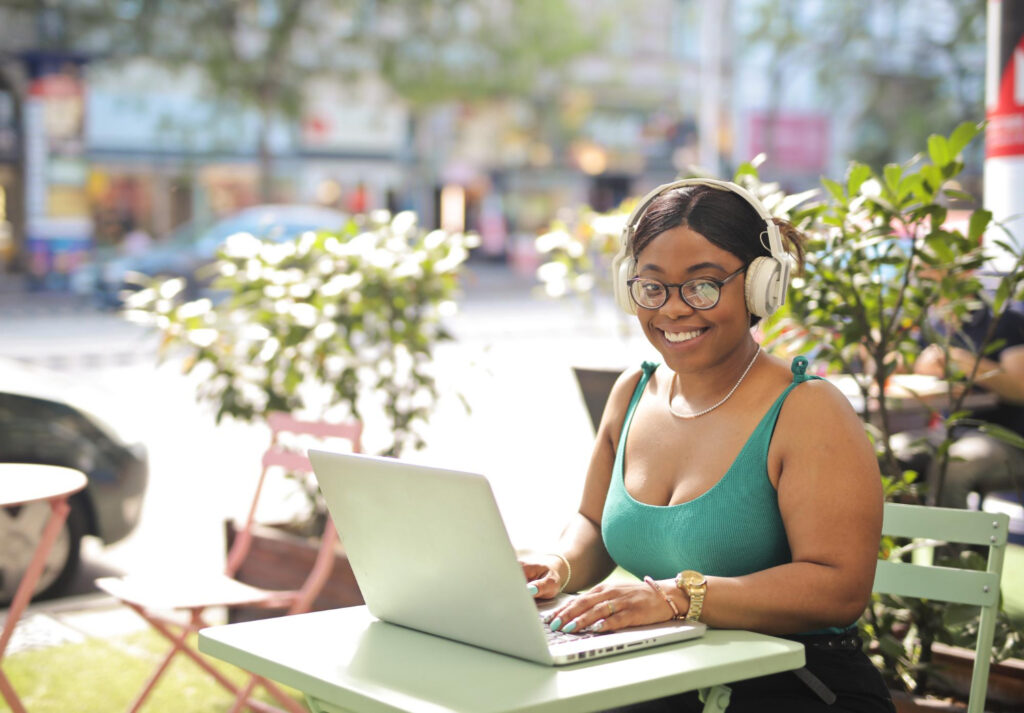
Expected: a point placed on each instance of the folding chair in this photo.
(156, 598)
(922, 580)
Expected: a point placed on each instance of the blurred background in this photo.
(122, 121)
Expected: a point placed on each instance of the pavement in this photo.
(511, 362)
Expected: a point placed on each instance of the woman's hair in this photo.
(725, 218)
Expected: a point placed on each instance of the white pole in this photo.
(710, 113)
(1004, 134)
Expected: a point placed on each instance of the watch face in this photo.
(692, 579)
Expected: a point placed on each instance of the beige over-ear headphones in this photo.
(767, 277)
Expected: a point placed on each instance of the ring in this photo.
(611, 608)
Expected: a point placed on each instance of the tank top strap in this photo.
(648, 369)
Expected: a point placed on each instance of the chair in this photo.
(156, 598)
(923, 580)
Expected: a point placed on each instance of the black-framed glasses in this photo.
(699, 293)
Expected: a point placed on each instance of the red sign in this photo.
(795, 142)
(1004, 135)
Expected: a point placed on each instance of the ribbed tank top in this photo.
(733, 529)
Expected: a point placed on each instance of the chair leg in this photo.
(9, 695)
(178, 645)
(716, 698)
(245, 698)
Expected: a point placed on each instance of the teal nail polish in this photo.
(570, 627)
(556, 624)
(532, 589)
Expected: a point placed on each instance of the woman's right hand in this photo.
(545, 575)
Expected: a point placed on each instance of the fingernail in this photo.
(532, 588)
(597, 625)
(570, 627)
(556, 624)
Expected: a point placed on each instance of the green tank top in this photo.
(733, 529)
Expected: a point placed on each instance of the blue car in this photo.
(192, 246)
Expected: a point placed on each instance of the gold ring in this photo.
(611, 608)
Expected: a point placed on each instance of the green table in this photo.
(347, 660)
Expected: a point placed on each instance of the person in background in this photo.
(979, 462)
(738, 489)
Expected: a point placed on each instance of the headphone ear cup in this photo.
(761, 286)
(623, 269)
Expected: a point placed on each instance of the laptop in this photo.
(430, 552)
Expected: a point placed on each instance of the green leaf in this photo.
(978, 223)
(938, 150)
(1003, 434)
(859, 173)
(961, 136)
(893, 172)
(835, 189)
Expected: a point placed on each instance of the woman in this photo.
(743, 492)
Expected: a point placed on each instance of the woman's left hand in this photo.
(610, 607)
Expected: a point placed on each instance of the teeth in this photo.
(683, 336)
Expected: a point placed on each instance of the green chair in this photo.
(917, 579)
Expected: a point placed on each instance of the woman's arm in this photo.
(1004, 378)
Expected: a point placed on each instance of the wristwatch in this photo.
(695, 586)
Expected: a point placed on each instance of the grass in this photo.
(105, 675)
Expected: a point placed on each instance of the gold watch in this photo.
(695, 586)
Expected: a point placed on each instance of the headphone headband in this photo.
(774, 238)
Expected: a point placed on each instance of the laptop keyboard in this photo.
(560, 637)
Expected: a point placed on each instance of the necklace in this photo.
(709, 409)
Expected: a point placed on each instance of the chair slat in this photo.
(951, 525)
(942, 584)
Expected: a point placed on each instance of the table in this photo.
(909, 398)
(22, 484)
(347, 660)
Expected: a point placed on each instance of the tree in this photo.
(911, 68)
(260, 54)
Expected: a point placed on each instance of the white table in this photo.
(347, 660)
(22, 484)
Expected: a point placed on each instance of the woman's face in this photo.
(689, 339)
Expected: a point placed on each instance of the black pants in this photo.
(847, 671)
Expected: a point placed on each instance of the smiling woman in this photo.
(706, 482)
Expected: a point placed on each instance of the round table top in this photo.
(22, 483)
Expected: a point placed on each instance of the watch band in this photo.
(696, 586)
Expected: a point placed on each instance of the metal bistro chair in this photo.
(156, 597)
(923, 580)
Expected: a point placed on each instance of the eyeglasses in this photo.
(699, 293)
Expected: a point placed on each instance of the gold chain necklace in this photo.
(672, 390)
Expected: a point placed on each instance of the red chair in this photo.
(158, 598)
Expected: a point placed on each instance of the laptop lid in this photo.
(430, 551)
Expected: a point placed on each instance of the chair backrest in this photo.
(948, 584)
(291, 457)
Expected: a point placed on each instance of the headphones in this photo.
(767, 277)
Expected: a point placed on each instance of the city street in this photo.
(527, 430)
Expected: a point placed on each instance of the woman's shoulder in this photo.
(809, 392)
(813, 400)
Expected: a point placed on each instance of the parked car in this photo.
(48, 418)
(193, 245)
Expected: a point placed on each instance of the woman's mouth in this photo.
(683, 336)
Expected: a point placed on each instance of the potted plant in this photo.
(324, 326)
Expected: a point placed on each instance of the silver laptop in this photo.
(430, 552)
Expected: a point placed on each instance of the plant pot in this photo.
(1005, 690)
(278, 559)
